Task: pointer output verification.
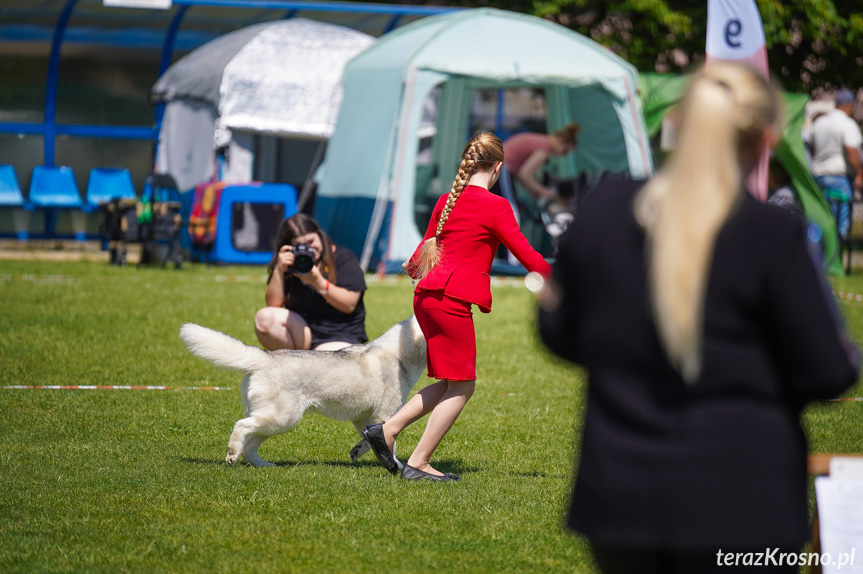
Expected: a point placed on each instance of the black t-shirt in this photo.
(325, 321)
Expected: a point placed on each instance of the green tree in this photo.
(812, 44)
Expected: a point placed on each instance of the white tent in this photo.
(367, 194)
(280, 78)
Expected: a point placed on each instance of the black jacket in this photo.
(722, 463)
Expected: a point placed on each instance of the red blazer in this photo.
(477, 225)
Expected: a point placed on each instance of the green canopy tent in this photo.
(661, 92)
(372, 186)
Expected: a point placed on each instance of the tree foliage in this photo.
(812, 44)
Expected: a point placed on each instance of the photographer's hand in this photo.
(313, 278)
(339, 298)
(275, 294)
(286, 259)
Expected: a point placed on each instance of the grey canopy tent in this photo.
(370, 186)
(280, 79)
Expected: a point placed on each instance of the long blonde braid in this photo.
(482, 152)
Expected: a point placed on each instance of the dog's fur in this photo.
(363, 384)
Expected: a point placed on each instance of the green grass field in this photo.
(135, 480)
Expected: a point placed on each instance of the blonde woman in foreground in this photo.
(704, 329)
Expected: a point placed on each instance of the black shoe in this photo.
(452, 476)
(374, 434)
(411, 473)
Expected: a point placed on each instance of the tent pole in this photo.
(500, 113)
(638, 121)
(395, 178)
(306, 192)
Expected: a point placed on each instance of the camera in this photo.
(304, 259)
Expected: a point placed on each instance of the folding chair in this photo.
(12, 198)
(53, 189)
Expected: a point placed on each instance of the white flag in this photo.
(735, 32)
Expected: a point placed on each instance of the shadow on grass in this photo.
(331, 463)
(443, 466)
(537, 474)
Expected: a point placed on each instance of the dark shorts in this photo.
(448, 328)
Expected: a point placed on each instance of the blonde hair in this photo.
(481, 153)
(724, 115)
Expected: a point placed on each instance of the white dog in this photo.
(364, 384)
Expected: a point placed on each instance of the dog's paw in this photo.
(232, 458)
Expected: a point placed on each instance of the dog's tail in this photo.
(222, 350)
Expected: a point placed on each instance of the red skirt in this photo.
(448, 328)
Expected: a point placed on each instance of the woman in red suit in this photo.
(452, 265)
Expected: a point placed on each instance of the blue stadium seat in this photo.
(54, 189)
(109, 183)
(10, 191)
(11, 197)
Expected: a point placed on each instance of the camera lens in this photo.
(304, 259)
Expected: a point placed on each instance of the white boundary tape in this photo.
(38, 279)
(116, 388)
(848, 296)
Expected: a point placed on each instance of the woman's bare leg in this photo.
(416, 408)
(279, 328)
(442, 418)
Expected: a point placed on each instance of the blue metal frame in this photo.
(394, 21)
(164, 64)
(346, 7)
(51, 85)
(49, 129)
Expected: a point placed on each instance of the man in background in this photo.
(835, 141)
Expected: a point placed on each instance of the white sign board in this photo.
(840, 514)
(152, 4)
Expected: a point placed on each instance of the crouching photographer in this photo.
(314, 292)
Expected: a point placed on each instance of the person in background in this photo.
(704, 329)
(451, 265)
(835, 141)
(780, 189)
(314, 292)
(781, 193)
(526, 153)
